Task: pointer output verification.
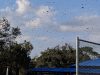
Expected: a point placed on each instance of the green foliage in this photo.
(63, 56)
(56, 57)
(89, 52)
(12, 54)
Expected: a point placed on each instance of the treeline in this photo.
(63, 56)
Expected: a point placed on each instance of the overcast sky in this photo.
(47, 23)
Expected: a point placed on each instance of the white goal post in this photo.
(77, 51)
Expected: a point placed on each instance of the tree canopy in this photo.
(62, 56)
(12, 54)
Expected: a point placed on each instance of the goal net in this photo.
(87, 57)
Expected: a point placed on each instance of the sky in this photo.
(48, 23)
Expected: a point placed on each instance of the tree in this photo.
(12, 54)
(89, 51)
(62, 56)
(58, 56)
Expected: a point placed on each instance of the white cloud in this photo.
(34, 23)
(87, 17)
(89, 23)
(65, 28)
(24, 14)
(22, 6)
(44, 16)
(7, 9)
(45, 11)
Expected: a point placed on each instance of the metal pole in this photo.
(7, 71)
(77, 54)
